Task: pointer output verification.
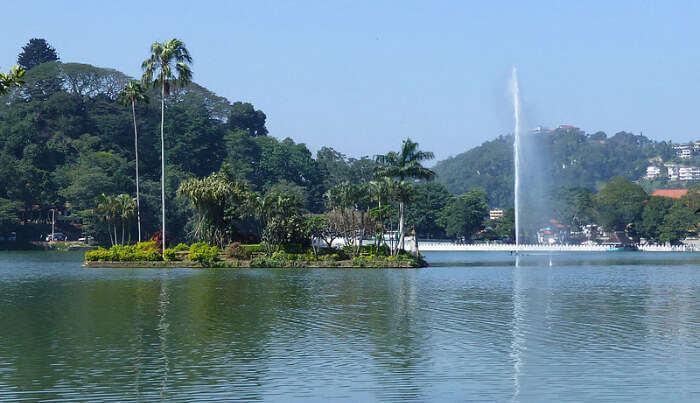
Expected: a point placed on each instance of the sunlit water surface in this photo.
(607, 327)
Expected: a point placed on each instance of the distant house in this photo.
(689, 173)
(682, 173)
(496, 214)
(684, 151)
(670, 193)
(653, 172)
(673, 172)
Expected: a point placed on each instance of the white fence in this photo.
(428, 246)
(446, 246)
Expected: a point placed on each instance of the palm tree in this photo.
(406, 164)
(107, 208)
(167, 67)
(131, 94)
(126, 207)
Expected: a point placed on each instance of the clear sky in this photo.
(362, 75)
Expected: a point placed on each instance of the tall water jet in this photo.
(515, 91)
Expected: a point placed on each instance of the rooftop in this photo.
(670, 193)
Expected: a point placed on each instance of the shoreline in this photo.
(246, 264)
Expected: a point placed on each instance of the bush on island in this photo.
(125, 253)
(181, 247)
(203, 253)
(238, 251)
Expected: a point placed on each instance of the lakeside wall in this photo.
(448, 246)
(453, 247)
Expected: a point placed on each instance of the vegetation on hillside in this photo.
(570, 158)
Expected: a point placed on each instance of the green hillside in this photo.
(567, 158)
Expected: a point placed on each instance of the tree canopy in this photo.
(36, 52)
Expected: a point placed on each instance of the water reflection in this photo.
(538, 328)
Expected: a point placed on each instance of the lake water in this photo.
(583, 327)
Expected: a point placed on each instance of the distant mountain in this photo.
(566, 157)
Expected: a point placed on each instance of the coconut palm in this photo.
(107, 208)
(406, 164)
(131, 94)
(167, 68)
(126, 208)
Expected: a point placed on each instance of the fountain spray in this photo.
(515, 90)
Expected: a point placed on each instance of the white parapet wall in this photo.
(446, 246)
(428, 246)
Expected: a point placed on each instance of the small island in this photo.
(236, 255)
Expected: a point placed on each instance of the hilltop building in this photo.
(678, 173)
(687, 151)
(687, 174)
(653, 172)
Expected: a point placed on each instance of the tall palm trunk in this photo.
(162, 159)
(136, 149)
(109, 231)
(399, 244)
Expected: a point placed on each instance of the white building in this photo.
(688, 174)
(684, 151)
(653, 172)
(495, 214)
(673, 172)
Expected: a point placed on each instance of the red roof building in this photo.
(670, 193)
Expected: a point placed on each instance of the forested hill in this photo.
(569, 157)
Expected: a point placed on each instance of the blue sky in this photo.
(362, 75)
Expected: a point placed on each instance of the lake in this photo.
(474, 326)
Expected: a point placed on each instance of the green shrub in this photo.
(238, 251)
(147, 245)
(181, 247)
(267, 262)
(359, 261)
(203, 253)
(169, 254)
(124, 253)
(99, 255)
(280, 255)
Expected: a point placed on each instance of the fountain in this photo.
(515, 90)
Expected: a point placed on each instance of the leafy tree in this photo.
(678, 223)
(133, 93)
(167, 67)
(9, 214)
(284, 224)
(465, 214)
(36, 52)
(574, 206)
(11, 79)
(619, 203)
(424, 212)
(655, 210)
(244, 117)
(349, 211)
(504, 227)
